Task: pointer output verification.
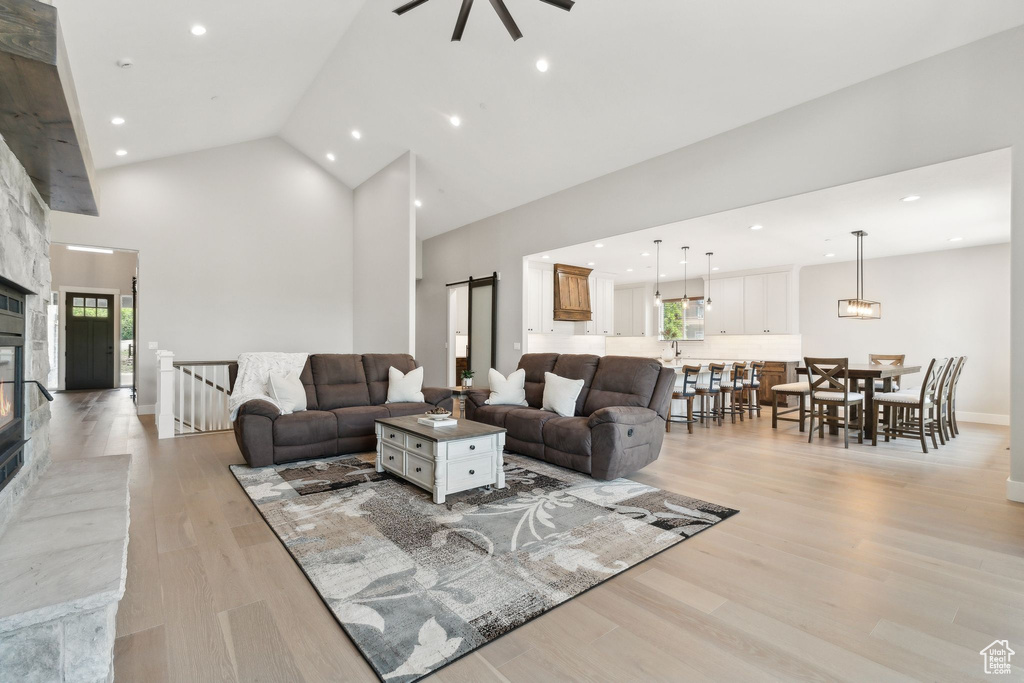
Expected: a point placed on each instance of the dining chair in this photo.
(897, 360)
(954, 428)
(911, 413)
(711, 392)
(732, 389)
(686, 393)
(829, 382)
(941, 397)
(799, 389)
(751, 385)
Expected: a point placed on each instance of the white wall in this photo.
(385, 269)
(943, 303)
(241, 248)
(947, 107)
(81, 271)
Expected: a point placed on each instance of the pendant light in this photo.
(859, 307)
(686, 259)
(707, 304)
(657, 275)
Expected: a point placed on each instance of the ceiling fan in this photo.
(499, 7)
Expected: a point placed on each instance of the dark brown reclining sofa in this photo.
(345, 393)
(619, 423)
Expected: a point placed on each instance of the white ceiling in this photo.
(628, 80)
(257, 59)
(968, 198)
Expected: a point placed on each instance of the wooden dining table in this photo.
(867, 374)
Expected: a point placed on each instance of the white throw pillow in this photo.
(560, 394)
(288, 391)
(509, 391)
(404, 388)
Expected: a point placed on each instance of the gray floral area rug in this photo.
(417, 585)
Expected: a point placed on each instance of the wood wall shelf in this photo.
(572, 293)
(39, 115)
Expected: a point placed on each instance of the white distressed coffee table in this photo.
(442, 460)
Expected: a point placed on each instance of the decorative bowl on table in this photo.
(438, 414)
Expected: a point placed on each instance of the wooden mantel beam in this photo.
(39, 115)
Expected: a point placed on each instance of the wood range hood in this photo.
(39, 115)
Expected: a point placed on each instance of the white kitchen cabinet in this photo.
(462, 310)
(726, 315)
(547, 302)
(534, 278)
(634, 311)
(602, 306)
(766, 303)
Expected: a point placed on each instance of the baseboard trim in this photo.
(1015, 490)
(145, 410)
(984, 418)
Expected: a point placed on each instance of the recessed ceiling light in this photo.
(91, 250)
(117, 121)
(683, 263)
(545, 256)
(542, 65)
(629, 270)
(715, 268)
(663, 275)
(598, 245)
(357, 135)
(121, 152)
(330, 156)
(198, 30)
(956, 239)
(455, 121)
(646, 253)
(591, 263)
(758, 226)
(829, 255)
(418, 203)
(911, 198)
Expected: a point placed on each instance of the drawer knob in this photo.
(472, 448)
(419, 445)
(419, 469)
(472, 471)
(391, 457)
(392, 436)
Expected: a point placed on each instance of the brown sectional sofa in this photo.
(345, 393)
(619, 424)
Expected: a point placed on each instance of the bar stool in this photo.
(711, 390)
(799, 389)
(751, 397)
(687, 393)
(732, 389)
(829, 380)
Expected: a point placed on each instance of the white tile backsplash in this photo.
(566, 343)
(773, 347)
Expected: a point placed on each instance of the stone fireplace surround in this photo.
(63, 526)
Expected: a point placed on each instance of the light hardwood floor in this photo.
(867, 564)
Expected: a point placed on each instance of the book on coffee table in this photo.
(430, 422)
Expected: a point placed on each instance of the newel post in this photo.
(165, 394)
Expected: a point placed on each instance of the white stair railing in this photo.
(192, 396)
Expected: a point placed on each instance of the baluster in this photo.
(192, 400)
(179, 384)
(202, 399)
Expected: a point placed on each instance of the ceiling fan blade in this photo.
(561, 4)
(506, 18)
(460, 24)
(408, 6)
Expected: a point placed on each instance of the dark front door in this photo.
(90, 341)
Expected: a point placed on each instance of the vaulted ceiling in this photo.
(627, 80)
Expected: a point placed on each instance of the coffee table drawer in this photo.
(419, 446)
(392, 458)
(392, 435)
(419, 470)
(483, 444)
(468, 473)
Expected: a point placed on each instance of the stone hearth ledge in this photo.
(64, 558)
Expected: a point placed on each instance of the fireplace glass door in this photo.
(8, 376)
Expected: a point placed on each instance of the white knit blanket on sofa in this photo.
(254, 370)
